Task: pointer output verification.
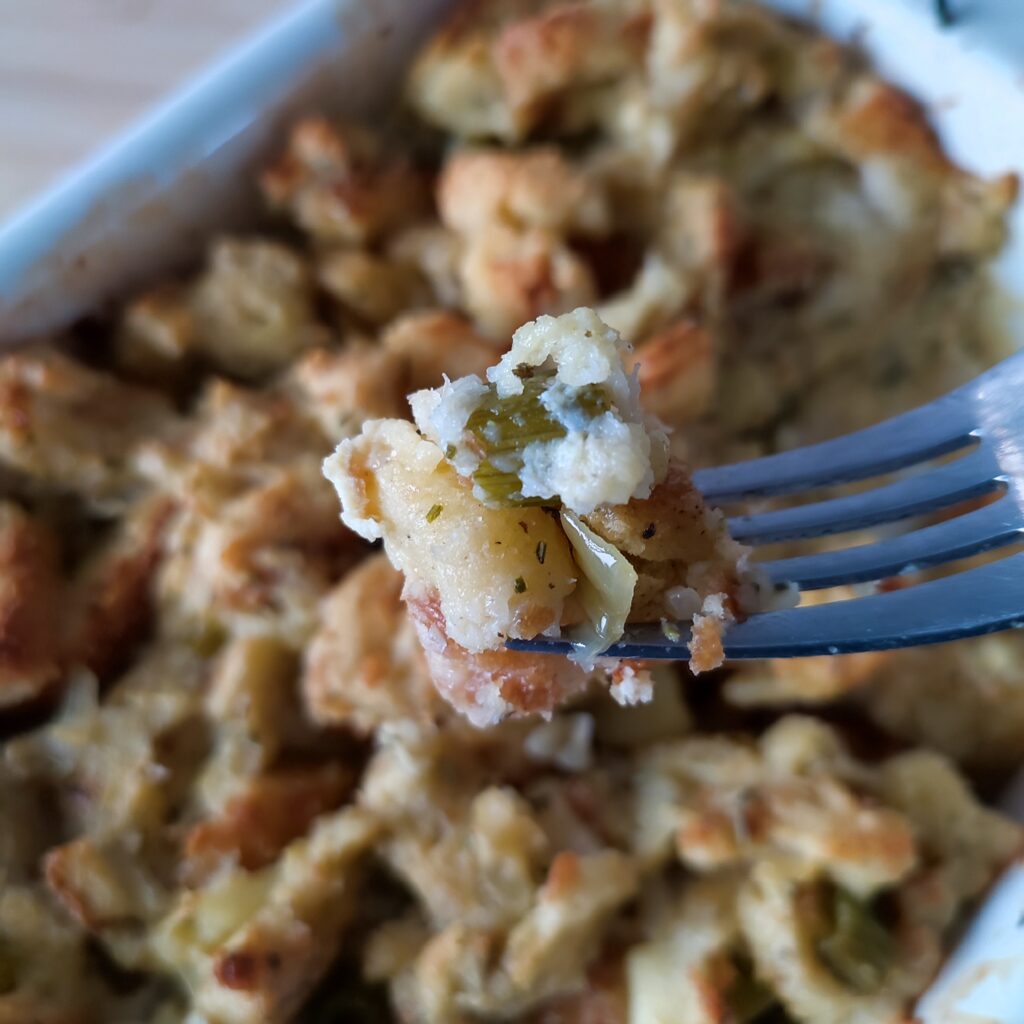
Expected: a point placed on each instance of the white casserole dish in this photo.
(148, 200)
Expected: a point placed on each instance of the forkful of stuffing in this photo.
(539, 512)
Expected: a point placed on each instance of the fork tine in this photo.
(972, 476)
(932, 430)
(980, 530)
(971, 603)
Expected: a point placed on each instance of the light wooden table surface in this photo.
(73, 72)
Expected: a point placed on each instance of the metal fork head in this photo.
(985, 416)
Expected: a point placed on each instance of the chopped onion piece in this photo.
(605, 589)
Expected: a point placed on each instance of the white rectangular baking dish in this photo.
(147, 201)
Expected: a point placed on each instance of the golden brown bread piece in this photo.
(364, 667)
(258, 823)
(111, 596)
(65, 428)
(30, 588)
(488, 685)
(433, 343)
(678, 372)
(338, 183)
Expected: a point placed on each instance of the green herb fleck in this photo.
(435, 511)
(449, 452)
(520, 585)
(542, 551)
(670, 631)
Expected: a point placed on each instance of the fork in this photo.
(984, 420)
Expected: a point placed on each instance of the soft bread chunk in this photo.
(66, 428)
(364, 667)
(339, 183)
(390, 478)
(29, 585)
(435, 343)
(537, 188)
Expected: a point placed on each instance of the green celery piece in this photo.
(858, 949)
(503, 427)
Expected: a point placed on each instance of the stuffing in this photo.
(712, 67)
(68, 429)
(339, 184)
(903, 165)
(594, 446)
(830, 956)
(961, 699)
(514, 214)
(392, 481)
(250, 692)
(487, 686)
(508, 277)
(257, 824)
(340, 388)
(253, 544)
(701, 234)
(254, 724)
(156, 340)
(600, 1000)
(685, 969)
(46, 974)
(234, 428)
(548, 948)
(498, 71)
(720, 803)
(472, 853)
(111, 595)
(657, 294)
(566, 50)
(781, 901)
(103, 884)
(537, 928)
(434, 252)
(258, 562)
(253, 307)
(368, 288)
(119, 765)
(930, 792)
(434, 344)
(29, 588)
(364, 667)
(678, 372)
(460, 506)
(537, 188)
(454, 82)
(250, 945)
(259, 764)
(671, 525)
